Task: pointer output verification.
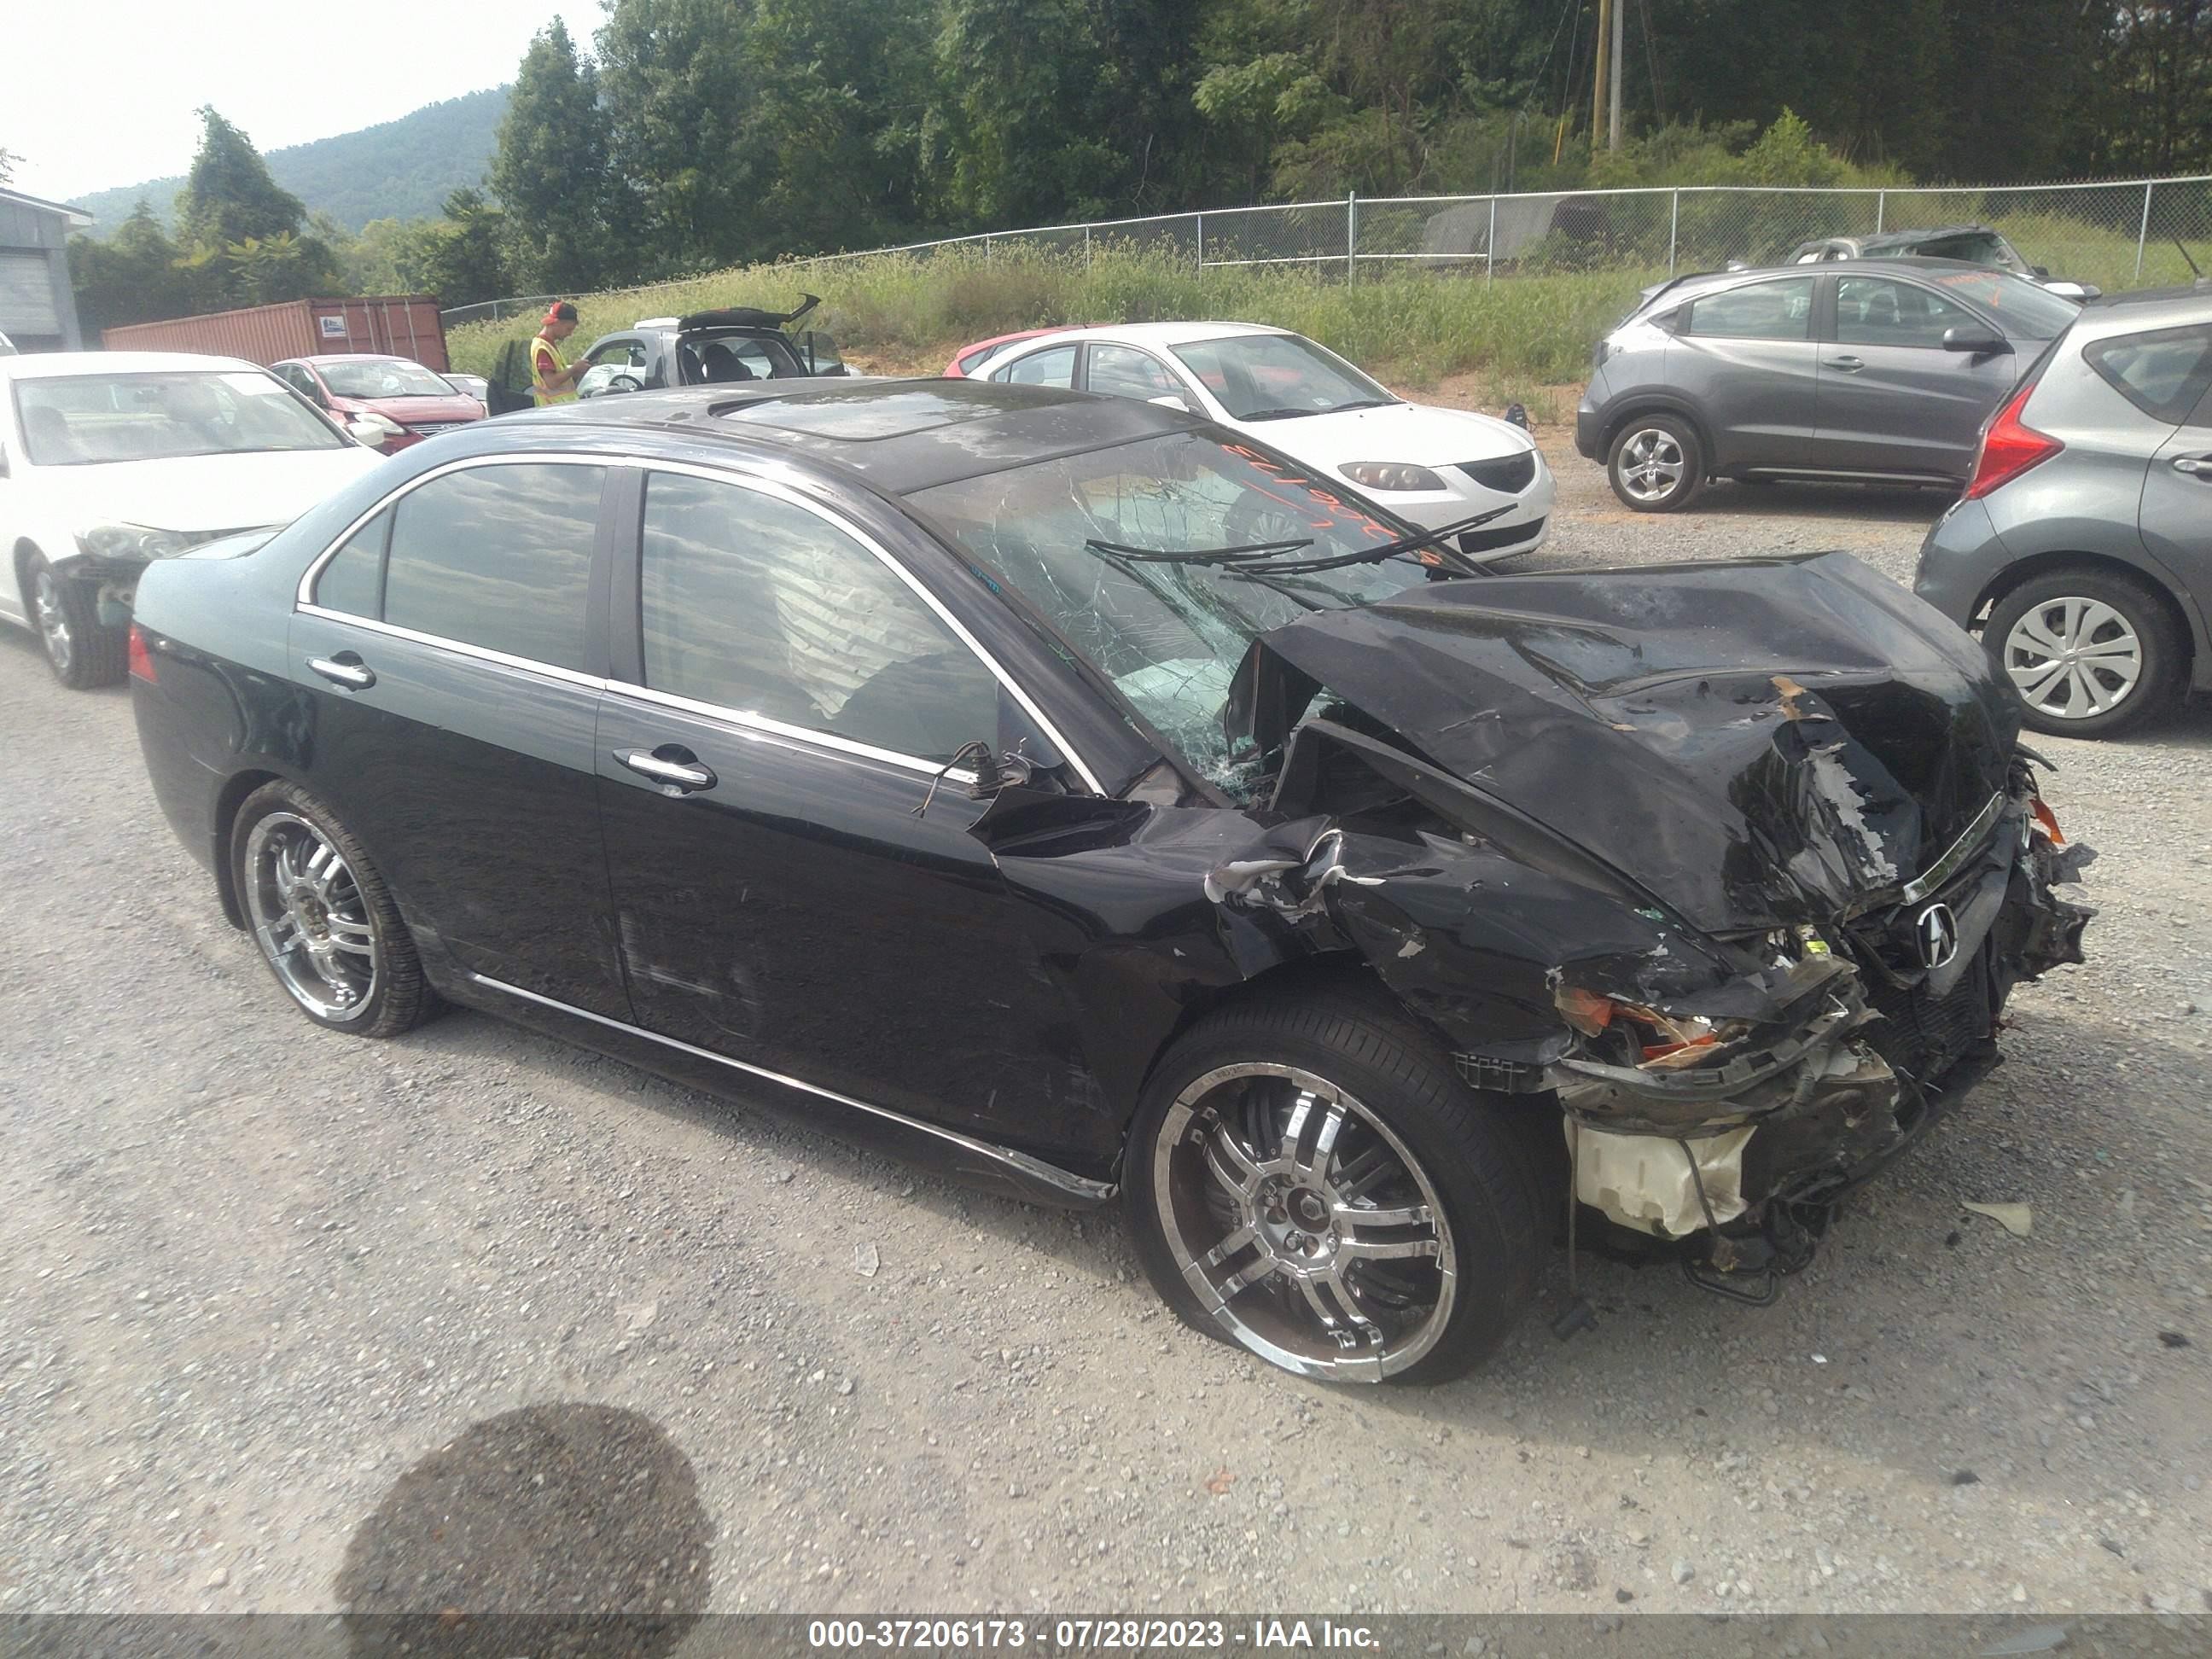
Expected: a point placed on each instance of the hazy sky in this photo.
(100, 93)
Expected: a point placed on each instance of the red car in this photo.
(413, 401)
(965, 361)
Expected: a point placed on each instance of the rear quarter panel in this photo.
(2088, 499)
(223, 703)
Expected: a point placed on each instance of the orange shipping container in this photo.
(402, 325)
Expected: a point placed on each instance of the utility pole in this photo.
(1619, 9)
(1598, 77)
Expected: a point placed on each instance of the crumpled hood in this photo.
(1751, 742)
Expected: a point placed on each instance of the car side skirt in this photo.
(1841, 475)
(960, 1158)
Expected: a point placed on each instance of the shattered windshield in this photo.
(1168, 635)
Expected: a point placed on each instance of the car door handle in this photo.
(354, 676)
(2197, 466)
(671, 764)
(1849, 365)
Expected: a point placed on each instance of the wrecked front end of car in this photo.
(1737, 865)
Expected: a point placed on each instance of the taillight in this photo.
(2008, 448)
(142, 659)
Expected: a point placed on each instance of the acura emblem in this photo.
(1937, 934)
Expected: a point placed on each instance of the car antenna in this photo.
(2184, 249)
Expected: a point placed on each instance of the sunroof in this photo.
(890, 413)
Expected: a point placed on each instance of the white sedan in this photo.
(110, 459)
(1435, 466)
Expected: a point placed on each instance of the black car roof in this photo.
(900, 436)
(1891, 238)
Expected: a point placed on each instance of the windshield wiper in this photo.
(1390, 549)
(1364, 402)
(1265, 554)
(1248, 553)
(1275, 414)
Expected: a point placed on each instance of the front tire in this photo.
(322, 917)
(2090, 653)
(1657, 464)
(82, 651)
(1308, 1179)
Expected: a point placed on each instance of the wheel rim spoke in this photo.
(1386, 1249)
(1244, 1279)
(2035, 679)
(355, 937)
(2036, 630)
(1403, 1215)
(2088, 690)
(1228, 1163)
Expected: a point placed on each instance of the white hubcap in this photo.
(2073, 659)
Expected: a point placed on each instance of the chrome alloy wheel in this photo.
(1651, 464)
(53, 620)
(2071, 657)
(1302, 1223)
(309, 917)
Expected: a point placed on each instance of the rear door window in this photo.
(1123, 371)
(353, 581)
(1054, 366)
(2166, 373)
(1757, 311)
(498, 556)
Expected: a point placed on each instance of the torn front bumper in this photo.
(1771, 1130)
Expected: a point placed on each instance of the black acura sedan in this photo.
(1072, 794)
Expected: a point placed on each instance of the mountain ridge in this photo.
(399, 169)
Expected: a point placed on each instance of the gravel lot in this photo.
(279, 1309)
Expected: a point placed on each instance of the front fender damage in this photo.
(1720, 1094)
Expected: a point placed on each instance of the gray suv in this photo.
(2082, 546)
(1867, 370)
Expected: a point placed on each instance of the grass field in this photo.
(903, 313)
(1525, 332)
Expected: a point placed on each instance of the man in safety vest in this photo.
(551, 380)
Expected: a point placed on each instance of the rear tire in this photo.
(1406, 1251)
(1657, 464)
(83, 651)
(2127, 652)
(322, 918)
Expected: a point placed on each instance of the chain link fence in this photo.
(2114, 236)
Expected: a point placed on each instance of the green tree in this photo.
(677, 81)
(389, 256)
(550, 171)
(131, 277)
(2152, 97)
(836, 119)
(1014, 135)
(242, 240)
(466, 254)
(228, 195)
